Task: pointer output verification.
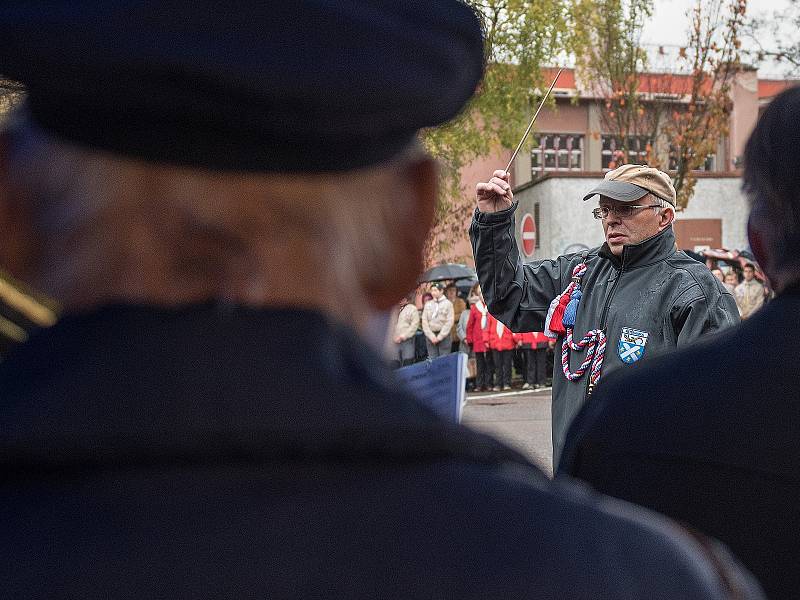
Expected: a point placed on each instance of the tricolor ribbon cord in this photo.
(595, 344)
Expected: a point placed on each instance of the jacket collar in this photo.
(133, 384)
(649, 251)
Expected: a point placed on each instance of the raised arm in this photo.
(517, 294)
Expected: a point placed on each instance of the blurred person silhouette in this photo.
(731, 281)
(534, 350)
(200, 189)
(749, 293)
(404, 331)
(500, 341)
(459, 306)
(477, 333)
(437, 322)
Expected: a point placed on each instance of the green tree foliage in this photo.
(521, 37)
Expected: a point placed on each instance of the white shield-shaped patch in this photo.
(631, 344)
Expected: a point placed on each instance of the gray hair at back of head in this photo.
(346, 219)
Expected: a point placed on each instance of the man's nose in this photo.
(612, 218)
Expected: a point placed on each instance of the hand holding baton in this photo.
(530, 125)
(496, 194)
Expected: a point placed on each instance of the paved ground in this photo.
(519, 418)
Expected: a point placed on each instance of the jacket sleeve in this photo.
(517, 294)
(701, 315)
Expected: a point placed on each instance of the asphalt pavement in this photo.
(520, 418)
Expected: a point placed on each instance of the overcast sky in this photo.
(669, 25)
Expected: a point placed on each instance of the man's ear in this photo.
(420, 190)
(666, 218)
(16, 240)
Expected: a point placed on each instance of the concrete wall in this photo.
(565, 220)
(565, 117)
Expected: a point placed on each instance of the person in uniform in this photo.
(459, 306)
(199, 187)
(437, 322)
(404, 331)
(631, 298)
(750, 293)
(709, 435)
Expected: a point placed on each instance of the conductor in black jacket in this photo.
(200, 185)
(709, 436)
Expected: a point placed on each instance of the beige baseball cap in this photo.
(630, 182)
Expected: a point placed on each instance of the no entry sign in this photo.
(528, 231)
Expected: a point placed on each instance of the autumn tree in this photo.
(521, 36)
(687, 109)
(712, 58)
(611, 64)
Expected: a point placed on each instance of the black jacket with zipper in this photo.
(652, 287)
(203, 452)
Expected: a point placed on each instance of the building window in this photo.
(557, 152)
(708, 165)
(612, 155)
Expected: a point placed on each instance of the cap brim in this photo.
(617, 190)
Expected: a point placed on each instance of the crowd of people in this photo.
(748, 292)
(449, 323)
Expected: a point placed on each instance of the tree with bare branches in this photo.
(681, 115)
(713, 56)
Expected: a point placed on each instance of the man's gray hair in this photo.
(659, 202)
(342, 221)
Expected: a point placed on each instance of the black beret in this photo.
(255, 86)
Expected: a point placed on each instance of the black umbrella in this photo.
(464, 285)
(448, 271)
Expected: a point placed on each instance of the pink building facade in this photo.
(571, 149)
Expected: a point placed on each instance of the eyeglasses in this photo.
(624, 211)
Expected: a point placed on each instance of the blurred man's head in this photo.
(451, 292)
(772, 183)
(635, 203)
(437, 291)
(749, 272)
(147, 172)
(732, 278)
(91, 227)
(475, 293)
(718, 274)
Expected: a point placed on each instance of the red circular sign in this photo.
(528, 231)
